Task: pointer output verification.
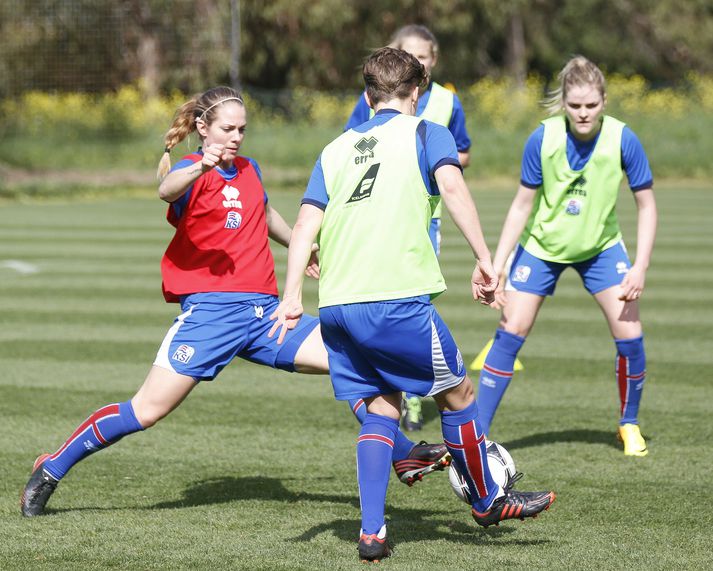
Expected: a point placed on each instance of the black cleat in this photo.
(373, 548)
(423, 459)
(38, 490)
(514, 505)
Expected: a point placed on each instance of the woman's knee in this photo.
(148, 414)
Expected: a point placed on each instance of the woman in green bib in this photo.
(440, 105)
(564, 214)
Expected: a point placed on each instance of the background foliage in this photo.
(97, 45)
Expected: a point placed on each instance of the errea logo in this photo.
(365, 145)
(366, 148)
(231, 197)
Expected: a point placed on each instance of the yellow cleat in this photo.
(634, 443)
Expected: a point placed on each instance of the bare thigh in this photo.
(311, 357)
(622, 316)
(520, 312)
(162, 391)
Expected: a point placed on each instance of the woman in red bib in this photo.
(219, 267)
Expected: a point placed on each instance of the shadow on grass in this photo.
(231, 489)
(415, 525)
(407, 525)
(607, 438)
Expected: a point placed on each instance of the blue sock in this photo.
(402, 445)
(374, 448)
(103, 428)
(630, 376)
(466, 443)
(496, 375)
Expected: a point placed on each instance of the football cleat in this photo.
(514, 505)
(374, 547)
(423, 459)
(38, 490)
(411, 416)
(634, 443)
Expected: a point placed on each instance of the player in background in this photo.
(371, 195)
(564, 214)
(219, 267)
(440, 105)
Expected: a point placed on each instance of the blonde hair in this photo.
(201, 107)
(411, 31)
(578, 71)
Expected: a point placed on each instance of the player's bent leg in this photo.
(161, 392)
(466, 442)
(630, 365)
(411, 461)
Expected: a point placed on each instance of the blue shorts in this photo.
(385, 347)
(214, 328)
(533, 275)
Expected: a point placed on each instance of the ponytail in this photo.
(183, 125)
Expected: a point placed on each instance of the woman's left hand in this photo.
(632, 286)
(484, 282)
(286, 317)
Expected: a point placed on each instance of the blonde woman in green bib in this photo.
(564, 215)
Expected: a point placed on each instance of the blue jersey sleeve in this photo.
(253, 162)
(436, 147)
(180, 204)
(634, 161)
(531, 170)
(316, 192)
(360, 114)
(457, 126)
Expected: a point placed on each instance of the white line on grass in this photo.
(19, 266)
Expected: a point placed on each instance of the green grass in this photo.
(257, 470)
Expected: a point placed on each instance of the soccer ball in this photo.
(502, 468)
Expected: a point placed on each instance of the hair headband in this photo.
(219, 102)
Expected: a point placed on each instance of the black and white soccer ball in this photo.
(502, 468)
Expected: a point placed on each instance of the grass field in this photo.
(257, 470)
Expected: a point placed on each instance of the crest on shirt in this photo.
(521, 274)
(183, 354)
(231, 197)
(234, 220)
(574, 207)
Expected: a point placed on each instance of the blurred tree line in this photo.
(162, 45)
